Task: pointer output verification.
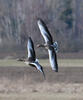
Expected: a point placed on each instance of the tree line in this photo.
(18, 21)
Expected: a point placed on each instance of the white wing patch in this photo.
(29, 48)
(52, 59)
(43, 32)
(37, 66)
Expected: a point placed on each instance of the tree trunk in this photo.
(77, 17)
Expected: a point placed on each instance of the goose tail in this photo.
(55, 46)
(44, 74)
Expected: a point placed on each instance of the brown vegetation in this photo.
(27, 79)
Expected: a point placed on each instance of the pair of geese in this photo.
(49, 45)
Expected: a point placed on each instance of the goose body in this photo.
(31, 59)
(32, 56)
(49, 45)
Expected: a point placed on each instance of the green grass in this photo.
(11, 63)
(41, 96)
(45, 62)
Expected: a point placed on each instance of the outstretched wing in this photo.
(53, 59)
(38, 66)
(30, 48)
(45, 32)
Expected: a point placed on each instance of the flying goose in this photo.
(49, 45)
(31, 60)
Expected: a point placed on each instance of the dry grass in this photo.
(27, 84)
(46, 92)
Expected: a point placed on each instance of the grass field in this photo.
(45, 62)
(38, 96)
(21, 82)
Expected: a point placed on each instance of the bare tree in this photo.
(77, 18)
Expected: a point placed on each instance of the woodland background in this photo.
(18, 21)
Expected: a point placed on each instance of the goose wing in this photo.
(38, 66)
(53, 59)
(30, 49)
(45, 32)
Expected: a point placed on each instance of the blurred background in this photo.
(18, 21)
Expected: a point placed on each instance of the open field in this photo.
(45, 63)
(21, 82)
(40, 96)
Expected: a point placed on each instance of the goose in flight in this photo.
(31, 60)
(49, 45)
